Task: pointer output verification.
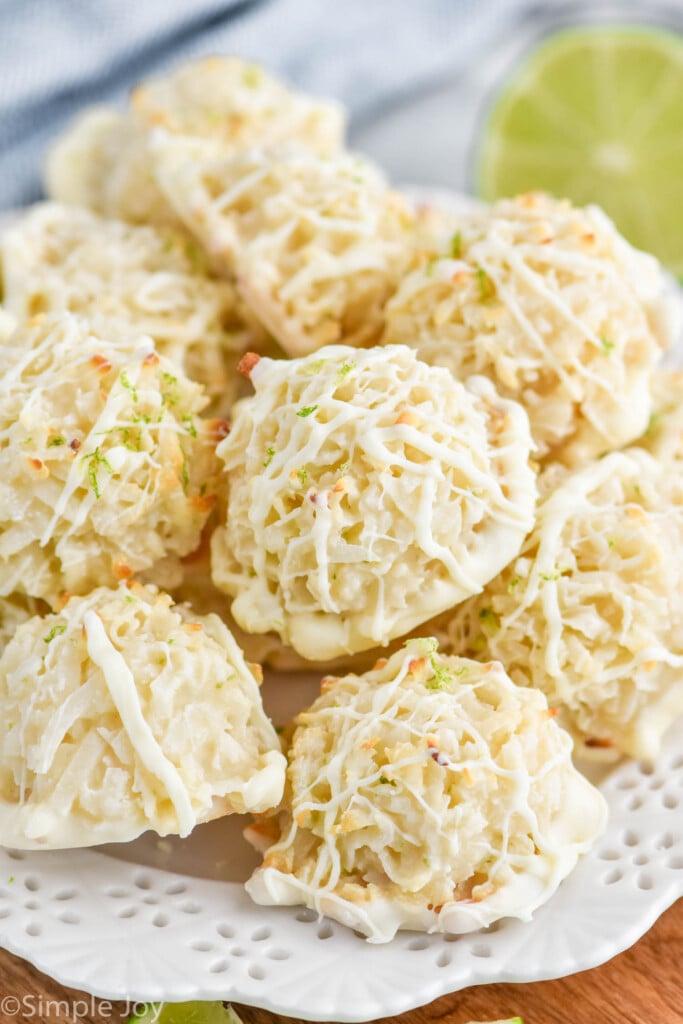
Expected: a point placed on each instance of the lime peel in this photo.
(186, 1013)
(594, 115)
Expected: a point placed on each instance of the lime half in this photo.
(596, 115)
(186, 1013)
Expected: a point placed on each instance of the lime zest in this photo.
(94, 460)
(57, 630)
(306, 410)
(486, 286)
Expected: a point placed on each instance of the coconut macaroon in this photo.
(367, 492)
(124, 713)
(591, 612)
(103, 160)
(317, 246)
(429, 794)
(105, 465)
(152, 281)
(556, 308)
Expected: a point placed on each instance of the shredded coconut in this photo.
(556, 308)
(317, 246)
(367, 492)
(105, 465)
(123, 713)
(430, 794)
(15, 610)
(591, 611)
(147, 280)
(664, 434)
(103, 160)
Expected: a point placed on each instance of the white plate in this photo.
(169, 919)
(164, 924)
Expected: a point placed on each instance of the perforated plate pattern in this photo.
(121, 930)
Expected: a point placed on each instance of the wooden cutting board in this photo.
(642, 986)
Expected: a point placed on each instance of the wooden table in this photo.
(642, 986)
